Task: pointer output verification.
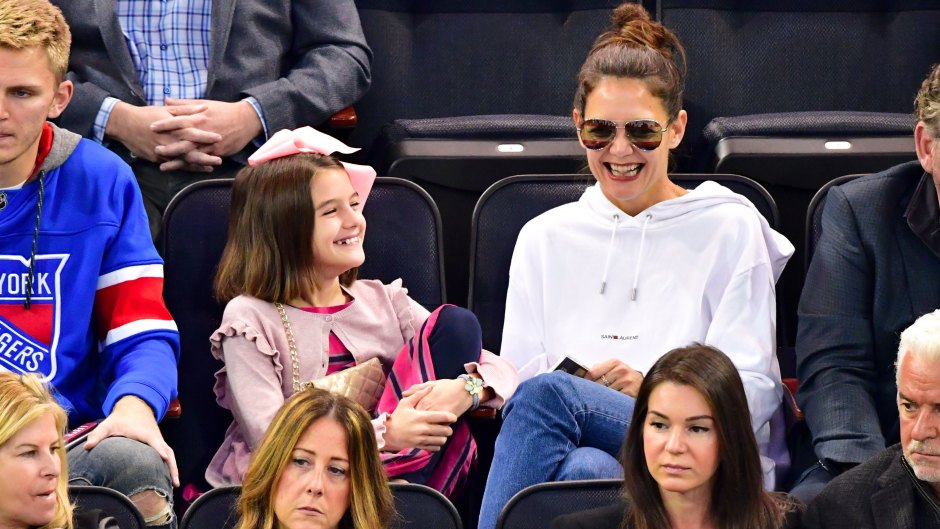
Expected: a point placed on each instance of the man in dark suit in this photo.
(874, 271)
(898, 488)
(179, 89)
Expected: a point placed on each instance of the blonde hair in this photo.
(28, 23)
(927, 102)
(24, 399)
(370, 499)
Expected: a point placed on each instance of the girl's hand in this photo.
(617, 376)
(443, 395)
(408, 428)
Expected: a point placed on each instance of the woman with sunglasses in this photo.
(636, 267)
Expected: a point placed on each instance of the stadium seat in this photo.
(419, 507)
(814, 215)
(109, 502)
(436, 59)
(535, 507)
(403, 240)
(216, 509)
(766, 56)
(456, 159)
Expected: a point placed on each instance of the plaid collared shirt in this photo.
(170, 43)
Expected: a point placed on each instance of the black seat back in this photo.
(110, 502)
(535, 507)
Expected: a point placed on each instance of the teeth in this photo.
(625, 170)
(351, 240)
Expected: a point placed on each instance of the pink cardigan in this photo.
(256, 378)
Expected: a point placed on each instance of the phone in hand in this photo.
(571, 366)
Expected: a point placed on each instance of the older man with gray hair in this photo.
(900, 487)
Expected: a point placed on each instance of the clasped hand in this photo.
(186, 134)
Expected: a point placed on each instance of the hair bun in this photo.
(627, 13)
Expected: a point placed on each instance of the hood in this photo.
(708, 194)
(64, 143)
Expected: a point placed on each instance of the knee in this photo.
(589, 463)
(137, 471)
(542, 391)
(155, 506)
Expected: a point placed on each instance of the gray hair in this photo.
(922, 338)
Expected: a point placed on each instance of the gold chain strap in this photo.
(295, 364)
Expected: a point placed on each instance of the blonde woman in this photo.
(317, 466)
(34, 488)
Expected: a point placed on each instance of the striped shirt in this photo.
(170, 44)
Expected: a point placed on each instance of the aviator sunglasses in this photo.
(644, 134)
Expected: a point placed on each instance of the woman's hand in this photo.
(443, 395)
(408, 427)
(617, 376)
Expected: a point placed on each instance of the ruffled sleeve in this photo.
(250, 384)
(499, 374)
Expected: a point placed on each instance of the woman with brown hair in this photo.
(296, 314)
(638, 266)
(317, 466)
(690, 450)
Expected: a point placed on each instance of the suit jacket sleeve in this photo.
(330, 71)
(836, 361)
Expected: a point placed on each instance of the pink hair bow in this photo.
(310, 140)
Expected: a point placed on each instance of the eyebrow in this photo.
(311, 452)
(687, 419)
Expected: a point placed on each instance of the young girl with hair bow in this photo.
(296, 313)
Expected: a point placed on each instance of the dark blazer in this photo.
(302, 60)
(878, 494)
(871, 276)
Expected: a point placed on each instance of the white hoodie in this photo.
(591, 282)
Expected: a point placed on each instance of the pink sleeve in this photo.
(498, 374)
(250, 383)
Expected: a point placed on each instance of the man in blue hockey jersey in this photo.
(80, 281)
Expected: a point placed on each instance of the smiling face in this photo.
(680, 441)
(919, 409)
(339, 227)
(630, 178)
(29, 94)
(30, 467)
(313, 491)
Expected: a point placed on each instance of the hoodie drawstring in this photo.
(32, 253)
(639, 257)
(610, 253)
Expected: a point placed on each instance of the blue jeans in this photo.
(125, 465)
(556, 427)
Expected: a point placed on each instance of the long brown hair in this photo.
(739, 474)
(370, 499)
(636, 48)
(269, 252)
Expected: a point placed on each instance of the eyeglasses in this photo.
(644, 134)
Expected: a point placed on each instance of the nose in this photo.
(315, 483)
(925, 424)
(676, 441)
(621, 145)
(52, 465)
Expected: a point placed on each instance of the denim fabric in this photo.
(544, 424)
(122, 464)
